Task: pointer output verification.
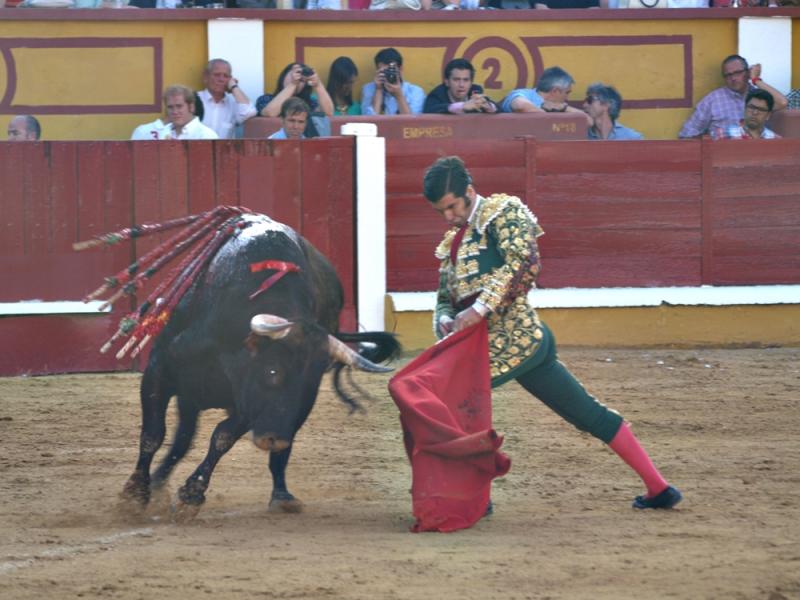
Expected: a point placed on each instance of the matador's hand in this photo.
(466, 318)
(445, 325)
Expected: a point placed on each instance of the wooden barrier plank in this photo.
(36, 177)
(618, 271)
(656, 242)
(12, 200)
(755, 154)
(57, 344)
(617, 213)
(631, 184)
(287, 187)
(64, 195)
(757, 211)
(596, 157)
(256, 180)
(173, 179)
(774, 242)
(201, 187)
(226, 172)
(753, 270)
(772, 180)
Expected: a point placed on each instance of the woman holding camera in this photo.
(342, 77)
(296, 80)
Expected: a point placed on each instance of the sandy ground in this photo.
(722, 425)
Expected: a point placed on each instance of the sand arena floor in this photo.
(722, 425)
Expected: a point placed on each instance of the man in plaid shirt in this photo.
(725, 105)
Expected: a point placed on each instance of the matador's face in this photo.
(456, 210)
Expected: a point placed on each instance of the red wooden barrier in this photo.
(670, 213)
(57, 193)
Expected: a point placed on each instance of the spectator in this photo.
(793, 100)
(182, 123)
(341, 79)
(294, 116)
(725, 105)
(758, 107)
(603, 104)
(458, 94)
(24, 128)
(225, 105)
(568, 4)
(389, 93)
(297, 80)
(550, 95)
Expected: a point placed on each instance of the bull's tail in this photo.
(375, 346)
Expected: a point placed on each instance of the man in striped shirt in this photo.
(725, 105)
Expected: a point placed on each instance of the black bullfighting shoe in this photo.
(666, 499)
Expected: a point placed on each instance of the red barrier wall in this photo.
(57, 193)
(642, 214)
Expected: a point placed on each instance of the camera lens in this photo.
(306, 71)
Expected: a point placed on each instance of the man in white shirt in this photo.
(181, 122)
(225, 105)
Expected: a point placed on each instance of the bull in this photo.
(254, 343)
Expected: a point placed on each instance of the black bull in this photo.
(260, 355)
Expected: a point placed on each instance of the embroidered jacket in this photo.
(496, 264)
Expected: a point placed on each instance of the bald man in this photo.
(24, 128)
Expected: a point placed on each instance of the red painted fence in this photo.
(672, 213)
(53, 194)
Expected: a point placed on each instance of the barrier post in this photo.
(370, 164)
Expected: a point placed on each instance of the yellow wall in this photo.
(92, 76)
(681, 326)
(641, 72)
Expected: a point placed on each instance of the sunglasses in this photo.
(591, 99)
(734, 73)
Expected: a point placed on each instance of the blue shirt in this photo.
(620, 132)
(414, 95)
(530, 95)
(281, 135)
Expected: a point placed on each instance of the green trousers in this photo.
(552, 383)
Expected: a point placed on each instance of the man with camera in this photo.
(458, 94)
(225, 105)
(388, 93)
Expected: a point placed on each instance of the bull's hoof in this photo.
(284, 502)
(160, 502)
(135, 494)
(182, 513)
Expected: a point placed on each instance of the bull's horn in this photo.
(271, 326)
(345, 354)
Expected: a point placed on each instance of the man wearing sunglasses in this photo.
(725, 105)
(757, 111)
(603, 104)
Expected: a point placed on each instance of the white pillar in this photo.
(768, 40)
(241, 43)
(370, 223)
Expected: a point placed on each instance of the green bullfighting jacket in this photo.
(496, 264)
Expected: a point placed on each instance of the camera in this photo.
(390, 73)
(306, 71)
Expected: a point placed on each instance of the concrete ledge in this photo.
(40, 307)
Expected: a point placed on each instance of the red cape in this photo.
(445, 403)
